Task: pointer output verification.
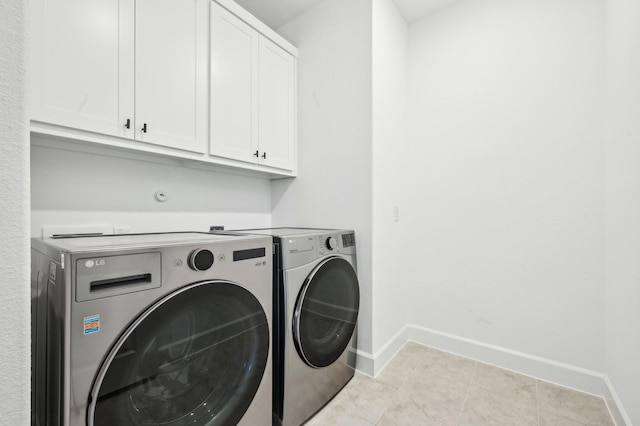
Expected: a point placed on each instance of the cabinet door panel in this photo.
(82, 59)
(171, 52)
(234, 52)
(277, 105)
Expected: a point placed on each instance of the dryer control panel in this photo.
(301, 249)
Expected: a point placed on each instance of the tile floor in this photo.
(424, 386)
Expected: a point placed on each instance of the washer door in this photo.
(196, 357)
(326, 312)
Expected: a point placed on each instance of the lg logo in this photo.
(92, 263)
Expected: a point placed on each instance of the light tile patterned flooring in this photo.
(424, 386)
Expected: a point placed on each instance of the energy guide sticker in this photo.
(91, 324)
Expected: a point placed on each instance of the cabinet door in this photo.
(234, 86)
(82, 62)
(171, 73)
(277, 106)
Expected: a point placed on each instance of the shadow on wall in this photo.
(68, 180)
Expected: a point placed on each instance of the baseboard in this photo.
(372, 364)
(365, 363)
(614, 404)
(545, 369)
(390, 349)
(541, 368)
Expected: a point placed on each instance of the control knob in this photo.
(200, 260)
(332, 243)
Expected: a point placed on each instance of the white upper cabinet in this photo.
(234, 83)
(83, 64)
(113, 66)
(253, 92)
(198, 80)
(277, 102)
(171, 73)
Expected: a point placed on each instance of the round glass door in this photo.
(197, 357)
(326, 312)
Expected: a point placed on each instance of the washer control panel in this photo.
(201, 260)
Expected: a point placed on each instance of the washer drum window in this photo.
(196, 357)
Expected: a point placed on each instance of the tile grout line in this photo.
(393, 389)
(466, 393)
(362, 418)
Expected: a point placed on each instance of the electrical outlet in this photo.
(216, 228)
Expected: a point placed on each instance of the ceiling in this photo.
(276, 13)
(413, 10)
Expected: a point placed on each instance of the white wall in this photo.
(390, 151)
(506, 169)
(14, 218)
(77, 188)
(499, 189)
(333, 188)
(623, 204)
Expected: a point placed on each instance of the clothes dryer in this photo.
(317, 298)
(152, 329)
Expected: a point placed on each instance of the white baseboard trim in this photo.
(540, 368)
(620, 416)
(365, 363)
(390, 349)
(371, 365)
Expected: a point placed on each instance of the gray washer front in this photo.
(169, 329)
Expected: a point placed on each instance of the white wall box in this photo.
(134, 75)
(253, 86)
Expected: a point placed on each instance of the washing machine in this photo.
(317, 298)
(152, 329)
